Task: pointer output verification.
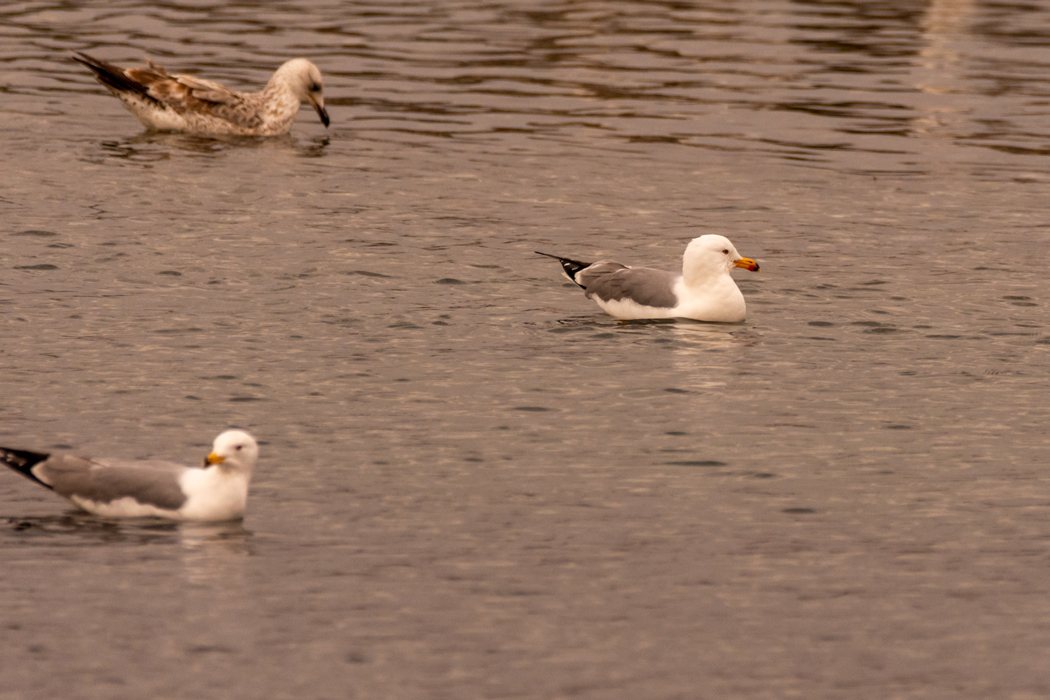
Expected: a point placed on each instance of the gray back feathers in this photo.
(153, 483)
(611, 281)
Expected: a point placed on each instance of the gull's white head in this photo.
(711, 254)
(304, 80)
(234, 450)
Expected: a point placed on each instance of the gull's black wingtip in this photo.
(577, 263)
(113, 77)
(23, 461)
(89, 61)
(570, 266)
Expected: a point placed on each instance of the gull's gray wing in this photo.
(611, 281)
(153, 483)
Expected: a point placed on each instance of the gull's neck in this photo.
(698, 275)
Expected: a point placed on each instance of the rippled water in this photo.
(473, 483)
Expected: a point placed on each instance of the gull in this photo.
(217, 490)
(703, 290)
(165, 102)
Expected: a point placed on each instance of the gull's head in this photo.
(712, 253)
(233, 450)
(304, 80)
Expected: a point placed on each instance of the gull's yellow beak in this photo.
(212, 459)
(747, 264)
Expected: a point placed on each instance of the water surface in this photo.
(473, 483)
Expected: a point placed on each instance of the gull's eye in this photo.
(239, 447)
(314, 87)
(725, 252)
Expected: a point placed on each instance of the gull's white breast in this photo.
(213, 494)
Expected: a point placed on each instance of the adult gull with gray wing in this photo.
(703, 290)
(217, 490)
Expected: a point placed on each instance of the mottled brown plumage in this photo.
(166, 102)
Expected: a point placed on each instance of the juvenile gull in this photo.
(217, 490)
(703, 290)
(165, 102)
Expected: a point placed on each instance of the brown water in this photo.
(473, 484)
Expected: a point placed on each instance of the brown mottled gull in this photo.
(703, 290)
(165, 102)
(217, 490)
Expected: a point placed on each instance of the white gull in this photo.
(217, 490)
(703, 290)
(165, 102)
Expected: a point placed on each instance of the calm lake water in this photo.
(473, 484)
